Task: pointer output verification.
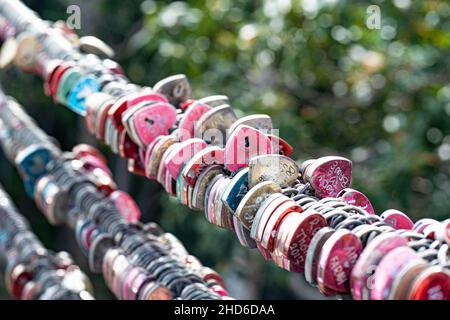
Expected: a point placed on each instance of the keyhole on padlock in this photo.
(213, 154)
(247, 142)
(178, 90)
(149, 121)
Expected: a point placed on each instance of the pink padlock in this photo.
(298, 231)
(206, 157)
(126, 205)
(151, 121)
(369, 259)
(190, 117)
(91, 163)
(182, 153)
(356, 198)
(328, 175)
(339, 254)
(397, 219)
(244, 143)
(387, 269)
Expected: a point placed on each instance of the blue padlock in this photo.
(32, 164)
(236, 190)
(83, 88)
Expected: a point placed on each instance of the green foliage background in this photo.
(332, 86)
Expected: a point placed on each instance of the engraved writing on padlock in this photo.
(274, 167)
(299, 230)
(243, 144)
(328, 175)
(433, 283)
(339, 254)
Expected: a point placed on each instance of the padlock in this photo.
(192, 115)
(273, 167)
(175, 88)
(339, 254)
(213, 125)
(327, 175)
(149, 121)
(200, 160)
(243, 144)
